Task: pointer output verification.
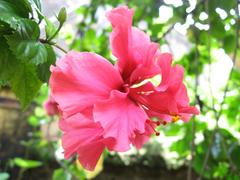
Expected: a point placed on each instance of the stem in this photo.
(54, 35)
(189, 172)
(59, 47)
(53, 44)
(21, 172)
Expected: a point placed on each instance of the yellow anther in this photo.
(175, 118)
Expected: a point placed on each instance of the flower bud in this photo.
(62, 15)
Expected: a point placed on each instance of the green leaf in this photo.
(44, 69)
(155, 29)
(28, 29)
(60, 174)
(173, 130)
(181, 147)
(4, 176)
(25, 163)
(229, 43)
(8, 15)
(223, 4)
(217, 28)
(27, 5)
(19, 9)
(27, 50)
(25, 45)
(221, 170)
(235, 156)
(7, 61)
(33, 121)
(38, 3)
(25, 83)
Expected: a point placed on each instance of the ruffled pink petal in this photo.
(130, 45)
(169, 98)
(120, 119)
(141, 138)
(121, 20)
(89, 155)
(164, 61)
(84, 137)
(81, 79)
(175, 79)
(142, 72)
(147, 67)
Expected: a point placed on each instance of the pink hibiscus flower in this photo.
(106, 106)
(51, 107)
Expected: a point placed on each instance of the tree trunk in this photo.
(13, 127)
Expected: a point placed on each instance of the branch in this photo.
(53, 44)
(197, 100)
(234, 60)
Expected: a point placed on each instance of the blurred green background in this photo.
(203, 36)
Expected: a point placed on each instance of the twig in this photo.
(59, 47)
(189, 173)
(207, 154)
(166, 32)
(209, 49)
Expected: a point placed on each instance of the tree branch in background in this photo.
(184, 17)
(219, 113)
(192, 145)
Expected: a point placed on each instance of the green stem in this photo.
(59, 47)
(54, 35)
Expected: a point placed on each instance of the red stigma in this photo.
(158, 123)
(150, 122)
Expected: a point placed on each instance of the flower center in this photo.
(175, 118)
(155, 80)
(125, 88)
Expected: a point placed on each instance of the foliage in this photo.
(25, 57)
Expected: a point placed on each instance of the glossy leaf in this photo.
(25, 83)
(7, 61)
(25, 45)
(44, 69)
